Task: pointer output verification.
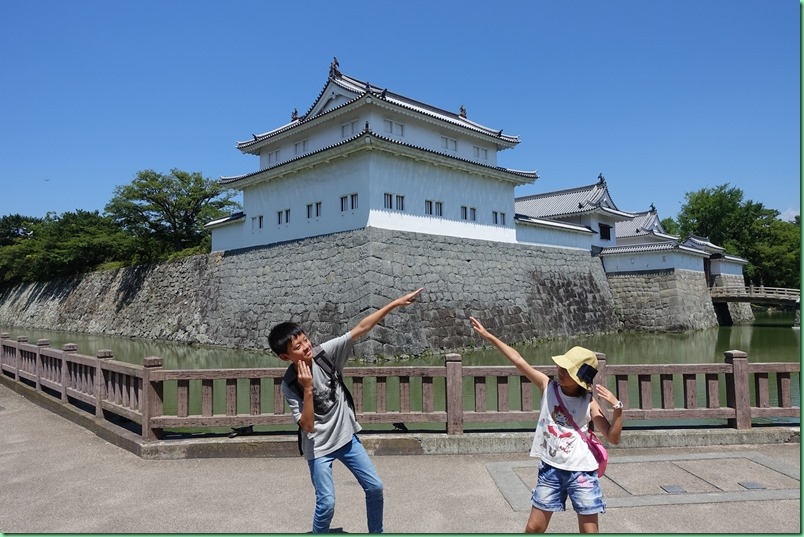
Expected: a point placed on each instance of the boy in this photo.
(325, 415)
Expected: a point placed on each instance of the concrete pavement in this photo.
(58, 476)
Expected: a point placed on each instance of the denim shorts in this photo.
(554, 485)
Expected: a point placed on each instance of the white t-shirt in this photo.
(335, 422)
(556, 441)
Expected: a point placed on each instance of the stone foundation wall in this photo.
(666, 300)
(733, 312)
(328, 283)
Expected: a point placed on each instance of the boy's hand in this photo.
(371, 320)
(304, 374)
(409, 298)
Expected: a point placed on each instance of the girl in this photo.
(567, 466)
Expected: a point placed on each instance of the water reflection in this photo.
(175, 355)
(769, 339)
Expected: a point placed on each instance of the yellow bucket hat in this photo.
(580, 363)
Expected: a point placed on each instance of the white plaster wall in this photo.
(418, 182)
(227, 237)
(553, 237)
(723, 266)
(652, 261)
(427, 135)
(342, 178)
(371, 175)
(416, 133)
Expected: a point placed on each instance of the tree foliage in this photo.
(154, 218)
(56, 246)
(14, 227)
(746, 229)
(168, 212)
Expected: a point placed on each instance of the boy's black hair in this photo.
(281, 335)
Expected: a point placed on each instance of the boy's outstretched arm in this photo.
(370, 321)
(536, 377)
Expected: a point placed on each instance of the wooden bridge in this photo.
(776, 296)
(453, 395)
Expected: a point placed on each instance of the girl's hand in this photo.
(481, 331)
(604, 393)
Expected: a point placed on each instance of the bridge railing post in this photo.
(67, 349)
(152, 398)
(20, 339)
(600, 377)
(3, 337)
(100, 380)
(454, 395)
(738, 396)
(39, 344)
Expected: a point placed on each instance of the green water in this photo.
(770, 338)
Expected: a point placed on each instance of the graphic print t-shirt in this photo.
(335, 422)
(556, 441)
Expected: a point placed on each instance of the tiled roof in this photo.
(226, 219)
(570, 202)
(551, 223)
(645, 223)
(703, 243)
(530, 175)
(735, 259)
(360, 89)
(652, 247)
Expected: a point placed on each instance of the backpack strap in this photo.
(319, 357)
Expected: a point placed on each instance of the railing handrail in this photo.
(136, 392)
(739, 290)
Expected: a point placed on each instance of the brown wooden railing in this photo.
(454, 395)
(738, 293)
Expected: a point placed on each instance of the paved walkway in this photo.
(56, 476)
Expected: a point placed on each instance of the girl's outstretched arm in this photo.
(536, 377)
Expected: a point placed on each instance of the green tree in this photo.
(779, 257)
(14, 227)
(746, 229)
(670, 226)
(64, 245)
(168, 212)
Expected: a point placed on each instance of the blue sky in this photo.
(663, 98)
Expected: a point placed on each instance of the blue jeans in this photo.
(354, 456)
(555, 485)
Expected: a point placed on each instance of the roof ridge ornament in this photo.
(295, 115)
(333, 68)
(462, 112)
(600, 179)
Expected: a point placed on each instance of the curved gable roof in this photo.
(341, 90)
(519, 177)
(571, 202)
(644, 223)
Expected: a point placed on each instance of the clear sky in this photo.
(662, 97)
